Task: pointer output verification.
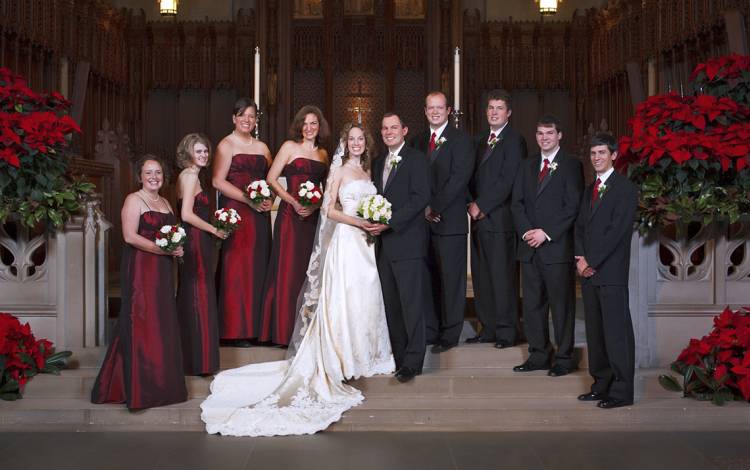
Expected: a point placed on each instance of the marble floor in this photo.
(381, 451)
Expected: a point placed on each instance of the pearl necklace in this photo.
(149, 197)
(242, 139)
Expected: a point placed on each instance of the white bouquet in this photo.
(375, 209)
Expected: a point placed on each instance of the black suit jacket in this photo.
(451, 167)
(494, 175)
(603, 232)
(408, 190)
(551, 205)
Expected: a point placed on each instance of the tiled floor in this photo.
(381, 451)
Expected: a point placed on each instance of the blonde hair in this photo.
(186, 148)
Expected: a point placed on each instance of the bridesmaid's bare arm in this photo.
(189, 187)
(130, 217)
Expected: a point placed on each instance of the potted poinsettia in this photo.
(690, 154)
(22, 356)
(717, 366)
(34, 139)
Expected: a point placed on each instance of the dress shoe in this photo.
(478, 339)
(500, 344)
(592, 396)
(442, 347)
(406, 374)
(528, 367)
(559, 370)
(613, 403)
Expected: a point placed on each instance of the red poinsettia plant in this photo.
(22, 356)
(35, 131)
(691, 154)
(717, 366)
(724, 76)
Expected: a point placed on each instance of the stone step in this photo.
(464, 356)
(406, 414)
(78, 383)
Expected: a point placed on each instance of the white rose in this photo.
(253, 194)
(161, 242)
(317, 194)
(309, 195)
(165, 229)
(302, 192)
(265, 192)
(176, 237)
(223, 217)
(233, 220)
(309, 185)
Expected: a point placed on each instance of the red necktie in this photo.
(432, 143)
(595, 192)
(545, 170)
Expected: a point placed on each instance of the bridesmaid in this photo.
(196, 295)
(143, 365)
(240, 160)
(300, 159)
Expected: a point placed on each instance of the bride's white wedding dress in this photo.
(346, 338)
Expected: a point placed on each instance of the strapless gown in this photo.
(196, 295)
(293, 239)
(143, 365)
(244, 256)
(347, 338)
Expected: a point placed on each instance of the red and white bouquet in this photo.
(309, 194)
(374, 208)
(170, 237)
(227, 220)
(258, 191)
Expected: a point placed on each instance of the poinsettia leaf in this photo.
(9, 386)
(669, 383)
(10, 396)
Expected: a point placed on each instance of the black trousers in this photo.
(493, 275)
(549, 288)
(447, 265)
(406, 293)
(610, 340)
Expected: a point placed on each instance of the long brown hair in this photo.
(366, 158)
(295, 129)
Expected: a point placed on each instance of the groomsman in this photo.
(546, 198)
(602, 246)
(451, 156)
(500, 151)
(402, 176)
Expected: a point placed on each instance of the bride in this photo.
(340, 332)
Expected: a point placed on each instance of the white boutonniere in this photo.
(395, 161)
(602, 189)
(552, 167)
(439, 142)
(493, 142)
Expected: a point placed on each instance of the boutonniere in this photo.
(439, 142)
(602, 189)
(493, 142)
(552, 167)
(395, 161)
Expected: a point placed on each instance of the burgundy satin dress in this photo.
(292, 245)
(143, 365)
(244, 256)
(196, 295)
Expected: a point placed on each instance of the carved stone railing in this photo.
(57, 281)
(680, 279)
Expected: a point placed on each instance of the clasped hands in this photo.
(583, 268)
(475, 212)
(374, 228)
(535, 237)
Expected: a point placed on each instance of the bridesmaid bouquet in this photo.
(258, 191)
(374, 208)
(309, 194)
(227, 220)
(170, 237)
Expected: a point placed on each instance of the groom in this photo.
(402, 175)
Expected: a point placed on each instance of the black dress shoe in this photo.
(500, 344)
(406, 374)
(613, 403)
(559, 370)
(478, 339)
(528, 367)
(442, 347)
(592, 396)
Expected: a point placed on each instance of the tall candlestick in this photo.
(457, 79)
(256, 81)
